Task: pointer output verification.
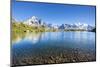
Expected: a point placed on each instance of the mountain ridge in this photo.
(35, 21)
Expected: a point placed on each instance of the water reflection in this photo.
(40, 48)
(73, 39)
(32, 37)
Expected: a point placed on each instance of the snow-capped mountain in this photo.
(76, 26)
(35, 21)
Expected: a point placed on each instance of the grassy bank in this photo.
(22, 28)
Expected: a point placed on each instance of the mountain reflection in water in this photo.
(33, 37)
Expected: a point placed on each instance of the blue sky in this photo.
(54, 13)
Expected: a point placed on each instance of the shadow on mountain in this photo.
(94, 30)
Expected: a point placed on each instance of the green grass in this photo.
(22, 28)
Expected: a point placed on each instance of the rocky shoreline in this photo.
(64, 57)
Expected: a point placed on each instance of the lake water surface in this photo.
(53, 47)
